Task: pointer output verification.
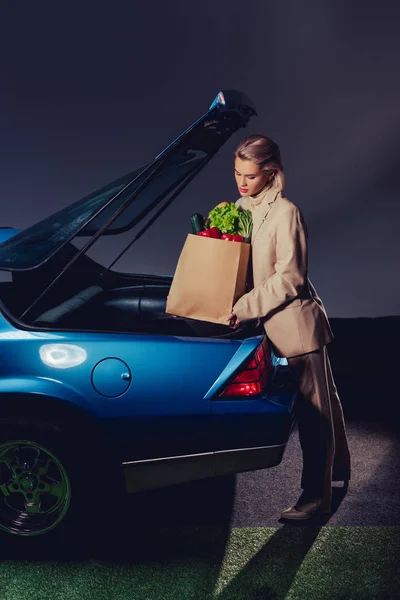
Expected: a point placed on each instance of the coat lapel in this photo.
(270, 199)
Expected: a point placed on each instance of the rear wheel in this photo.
(35, 488)
(51, 477)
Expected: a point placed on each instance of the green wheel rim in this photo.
(35, 489)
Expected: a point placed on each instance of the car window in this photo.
(39, 242)
(33, 245)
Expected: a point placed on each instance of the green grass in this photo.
(250, 563)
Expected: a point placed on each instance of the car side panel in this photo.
(164, 410)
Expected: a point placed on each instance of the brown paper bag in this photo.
(210, 276)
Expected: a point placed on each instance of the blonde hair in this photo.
(265, 153)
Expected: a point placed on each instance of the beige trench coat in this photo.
(283, 297)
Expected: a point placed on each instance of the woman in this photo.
(294, 319)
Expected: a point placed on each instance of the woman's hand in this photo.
(233, 321)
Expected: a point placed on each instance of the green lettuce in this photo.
(231, 219)
(226, 218)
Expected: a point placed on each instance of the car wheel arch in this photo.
(26, 406)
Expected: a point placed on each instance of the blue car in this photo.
(100, 389)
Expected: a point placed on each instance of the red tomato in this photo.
(227, 236)
(215, 232)
(210, 233)
(238, 238)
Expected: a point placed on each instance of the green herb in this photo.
(245, 224)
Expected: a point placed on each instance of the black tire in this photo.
(49, 486)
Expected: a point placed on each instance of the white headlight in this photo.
(62, 356)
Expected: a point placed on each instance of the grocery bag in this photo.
(210, 277)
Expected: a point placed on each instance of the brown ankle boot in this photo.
(305, 508)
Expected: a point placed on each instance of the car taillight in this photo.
(253, 377)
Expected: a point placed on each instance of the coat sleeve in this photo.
(290, 271)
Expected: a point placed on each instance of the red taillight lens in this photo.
(248, 376)
(251, 380)
(242, 389)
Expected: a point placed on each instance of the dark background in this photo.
(90, 92)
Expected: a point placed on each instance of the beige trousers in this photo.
(322, 433)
